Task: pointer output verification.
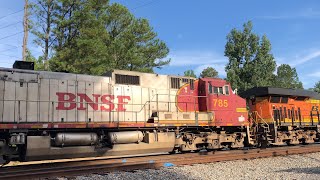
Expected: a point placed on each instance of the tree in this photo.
(94, 36)
(44, 11)
(81, 37)
(38, 63)
(133, 45)
(209, 72)
(317, 87)
(190, 73)
(287, 77)
(250, 60)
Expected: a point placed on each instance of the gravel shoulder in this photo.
(287, 167)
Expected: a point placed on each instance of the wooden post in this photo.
(25, 30)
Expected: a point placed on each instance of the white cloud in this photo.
(187, 58)
(308, 13)
(299, 58)
(199, 60)
(315, 74)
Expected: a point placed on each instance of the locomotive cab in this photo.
(229, 109)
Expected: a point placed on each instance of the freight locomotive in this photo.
(52, 115)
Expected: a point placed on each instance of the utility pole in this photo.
(25, 30)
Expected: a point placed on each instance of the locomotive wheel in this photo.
(3, 161)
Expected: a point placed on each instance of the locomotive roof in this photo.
(266, 91)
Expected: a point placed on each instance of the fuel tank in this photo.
(75, 139)
(125, 137)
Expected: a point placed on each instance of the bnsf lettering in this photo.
(67, 101)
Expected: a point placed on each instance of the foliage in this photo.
(317, 87)
(39, 64)
(94, 36)
(209, 72)
(250, 60)
(190, 73)
(44, 12)
(287, 77)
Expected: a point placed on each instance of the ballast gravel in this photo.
(304, 167)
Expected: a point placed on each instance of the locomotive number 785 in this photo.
(220, 103)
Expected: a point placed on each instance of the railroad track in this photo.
(145, 162)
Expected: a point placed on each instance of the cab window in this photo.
(210, 88)
(215, 90)
(226, 90)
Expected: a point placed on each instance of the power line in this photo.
(10, 25)
(8, 56)
(11, 14)
(11, 35)
(8, 49)
(143, 5)
(9, 45)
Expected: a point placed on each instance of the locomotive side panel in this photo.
(145, 108)
(44, 103)
(32, 102)
(21, 101)
(81, 89)
(2, 90)
(9, 102)
(137, 103)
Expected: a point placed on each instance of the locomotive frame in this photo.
(49, 115)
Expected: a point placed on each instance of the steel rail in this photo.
(82, 167)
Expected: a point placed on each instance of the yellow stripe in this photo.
(241, 109)
(313, 101)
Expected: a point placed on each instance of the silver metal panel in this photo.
(89, 110)
(137, 107)
(163, 99)
(63, 87)
(89, 78)
(53, 113)
(118, 116)
(57, 75)
(97, 91)
(153, 99)
(2, 91)
(9, 101)
(81, 114)
(173, 106)
(128, 106)
(145, 98)
(106, 114)
(71, 88)
(33, 103)
(44, 104)
(21, 102)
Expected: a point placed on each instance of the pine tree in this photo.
(287, 77)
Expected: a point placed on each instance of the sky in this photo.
(195, 31)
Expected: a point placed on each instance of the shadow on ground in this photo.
(311, 170)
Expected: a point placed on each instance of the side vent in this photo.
(186, 116)
(175, 83)
(127, 79)
(168, 116)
